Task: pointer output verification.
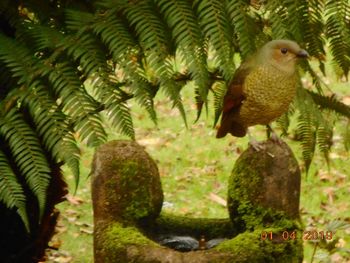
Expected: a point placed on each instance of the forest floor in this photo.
(194, 168)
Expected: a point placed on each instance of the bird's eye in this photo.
(284, 50)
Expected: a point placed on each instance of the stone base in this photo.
(127, 195)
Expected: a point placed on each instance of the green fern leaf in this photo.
(277, 18)
(338, 32)
(244, 26)
(308, 123)
(283, 122)
(346, 135)
(217, 28)
(116, 108)
(188, 38)
(325, 136)
(219, 89)
(11, 192)
(331, 103)
(52, 127)
(27, 153)
(17, 59)
(77, 103)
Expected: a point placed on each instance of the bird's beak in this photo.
(302, 54)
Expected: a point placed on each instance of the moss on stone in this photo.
(118, 236)
(136, 189)
(258, 195)
(195, 227)
(126, 183)
(116, 240)
(127, 198)
(248, 247)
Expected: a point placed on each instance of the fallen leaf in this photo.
(86, 231)
(74, 200)
(346, 100)
(217, 199)
(329, 191)
(56, 244)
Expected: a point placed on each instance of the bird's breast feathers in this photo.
(269, 93)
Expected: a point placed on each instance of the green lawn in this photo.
(194, 168)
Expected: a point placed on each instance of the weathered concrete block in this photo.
(264, 185)
(125, 183)
(127, 198)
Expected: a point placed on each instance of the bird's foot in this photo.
(276, 139)
(256, 145)
(273, 136)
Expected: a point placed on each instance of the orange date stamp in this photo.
(294, 234)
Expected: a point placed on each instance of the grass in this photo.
(194, 168)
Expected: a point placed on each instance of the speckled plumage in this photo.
(263, 105)
(262, 88)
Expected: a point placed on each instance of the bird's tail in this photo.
(221, 132)
(230, 126)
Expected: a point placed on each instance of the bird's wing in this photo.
(232, 103)
(235, 95)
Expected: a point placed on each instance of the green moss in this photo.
(196, 227)
(139, 201)
(244, 193)
(117, 236)
(251, 219)
(248, 247)
(135, 188)
(241, 188)
(116, 239)
(135, 200)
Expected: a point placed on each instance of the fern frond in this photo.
(283, 122)
(295, 15)
(315, 123)
(77, 103)
(122, 45)
(219, 89)
(277, 14)
(346, 135)
(188, 38)
(18, 59)
(39, 37)
(172, 90)
(307, 134)
(52, 127)
(115, 35)
(244, 26)
(314, 27)
(27, 154)
(325, 134)
(217, 28)
(307, 126)
(78, 20)
(11, 191)
(331, 103)
(338, 32)
(88, 53)
(152, 35)
(83, 48)
(116, 108)
(156, 45)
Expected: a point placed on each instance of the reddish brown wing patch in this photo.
(234, 96)
(232, 103)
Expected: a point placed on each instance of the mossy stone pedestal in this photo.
(127, 198)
